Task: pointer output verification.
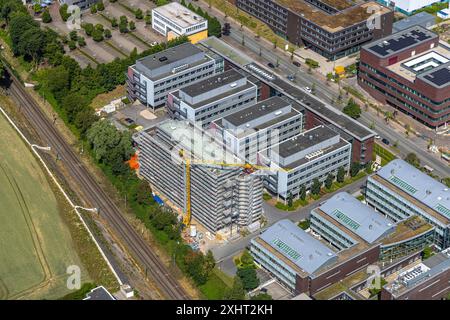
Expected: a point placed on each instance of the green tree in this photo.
(97, 35)
(354, 169)
(114, 22)
(315, 188)
(303, 192)
(73, 103)
(99, 27)
(329, 181)
(290, 200)
(93, 9)
(352, 109)
(100, 6)
(132, 25)
(46, 17)
(446, 181)
(88, 28)
(148, 20)
(246, 259)
(249, 278)
(72, 45)
(57, 82)
(340, 175)
(236, 292)
(123, 27)
(412, 159)
(81, 41)
(107, 33)
(427, 252)
(63, 12)
(84, 120)
(73, 35)
(209, 262)
(144, 193)
(139, 14)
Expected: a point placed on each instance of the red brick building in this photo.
(410, 71)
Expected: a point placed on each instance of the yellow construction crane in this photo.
(246, 166)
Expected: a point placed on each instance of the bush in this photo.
(81, 41)
(352, 109)
(139, 14)
(93, 9)
(88, 28)
(63, 12)
(97, 35)
(72, 45)
(73, 35)
(132, 25)
(46, 17)
(312, 63)
(100, 6)
(107, 33)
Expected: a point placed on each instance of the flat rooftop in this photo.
(417, 185)
(428, 269)
(216, 81)
(295, 245)
(423, 19)
(179, 14)
(407, 229)
(307, 101)
(260, 109)
(349, 15)
(169, 56)
(305, 140)
(438, 77)
(400, 41)
(359, 218)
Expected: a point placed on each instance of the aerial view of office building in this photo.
(428, 280)
(257, 127)
(410, 71)
(304, 263)
(312, 154)
(218, 197)
(316, 112)
(154, 76)
(173, 20)
(400, 191)
(333, 28)
(345, 223)
(212, 98)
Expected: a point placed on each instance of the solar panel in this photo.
(402, 42)
(439, 77)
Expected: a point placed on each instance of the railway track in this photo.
(96, 196)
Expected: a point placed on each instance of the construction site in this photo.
(216, 195)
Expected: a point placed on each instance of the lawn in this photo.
(35, 243)
(216, 285)
(386, 155)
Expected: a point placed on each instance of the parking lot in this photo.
(120, 44)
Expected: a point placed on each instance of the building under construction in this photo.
(199, 177)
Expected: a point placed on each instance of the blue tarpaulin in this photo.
(158, 200)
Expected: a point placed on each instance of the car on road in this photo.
(385, 141)
(308, 89)
(291, 77)
(377, 137)
(296, 63)
(271, 65)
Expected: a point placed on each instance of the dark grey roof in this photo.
(400, 41)
(211, 83)
(305, 140)
(257, 110)
(99, 293)
(438, 77)
(170, 55)
(423, 19)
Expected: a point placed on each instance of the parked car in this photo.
(271, 65)
(296, 63)
(385, 141)
(129, 121)
(291, 77)
(308, 89)
(377, 137)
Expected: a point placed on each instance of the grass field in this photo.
(35, 244)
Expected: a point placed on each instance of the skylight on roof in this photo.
(352, 224)
(291, 253)
(442, 210)
(403, 185)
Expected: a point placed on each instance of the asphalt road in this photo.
(95, 196)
